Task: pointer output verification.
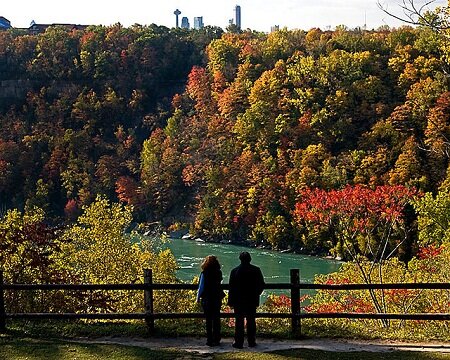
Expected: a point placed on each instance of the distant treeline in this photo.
(222, 131)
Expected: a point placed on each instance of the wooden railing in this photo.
(148, 287)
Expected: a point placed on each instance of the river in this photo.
(274, 265)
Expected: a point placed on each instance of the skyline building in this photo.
(198, 22)
(185, 23)
(237, 16)
(4, 23)
(274, 28)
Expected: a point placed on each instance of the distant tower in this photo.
(198, 22)
(176, 13)
(185, 23)
(237, 16)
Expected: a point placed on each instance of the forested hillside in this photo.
(226, 132)
(272, 115)
(76, 106)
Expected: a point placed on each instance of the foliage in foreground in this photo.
(96, 249)
(428, 267)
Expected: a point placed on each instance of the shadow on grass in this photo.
(57, 350)
(305, 354)
(12, 348)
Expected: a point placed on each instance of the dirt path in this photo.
(197, 345)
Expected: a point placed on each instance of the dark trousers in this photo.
(241, 314)
(212, 315)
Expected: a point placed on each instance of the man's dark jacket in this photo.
(246, 285)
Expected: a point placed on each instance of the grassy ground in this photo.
(48, 340)
(34, 349)
(323, 355)
(194, 327)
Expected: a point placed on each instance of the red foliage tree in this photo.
(363, 221)
(354, 211)
(127, 190)
(71, 210)
(199, 89)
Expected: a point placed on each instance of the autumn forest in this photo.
(235, 134)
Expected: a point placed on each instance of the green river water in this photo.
(275, 265)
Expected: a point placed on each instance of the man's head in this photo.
(245, 257)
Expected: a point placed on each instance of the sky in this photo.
(257, 15)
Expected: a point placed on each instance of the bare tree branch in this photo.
(414, 14)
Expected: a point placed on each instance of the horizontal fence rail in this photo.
(295, 314)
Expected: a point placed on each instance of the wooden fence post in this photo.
(2, 305)
(295, 302)
(148, 300)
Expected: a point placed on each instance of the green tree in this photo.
(433, 218)
(99, 249)
(57, 54)
(408, 169)
(161, 167)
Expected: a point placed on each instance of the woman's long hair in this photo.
(210, 262)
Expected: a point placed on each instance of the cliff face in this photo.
(15, 89)
(18, 89)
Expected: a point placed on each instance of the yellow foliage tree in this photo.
(99, 249)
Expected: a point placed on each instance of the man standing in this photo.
(246, 285)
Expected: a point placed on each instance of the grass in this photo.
(324, 355)
(272, 328)
(35, 349)
(15, 349)
(70, 329)
(48, 340)
(48, 329)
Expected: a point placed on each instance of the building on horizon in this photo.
(198, 22)
(35, 29)
(185, 23)
(237, 16)
(5, 24)
(274, 28)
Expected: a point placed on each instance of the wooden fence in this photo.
(148, 287)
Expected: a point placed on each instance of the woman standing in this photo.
(210, 294)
